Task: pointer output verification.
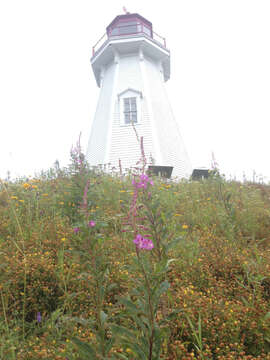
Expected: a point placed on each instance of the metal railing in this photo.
(127, 30)
(159, 39)
(98, 44)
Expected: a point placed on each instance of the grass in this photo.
(208, 275)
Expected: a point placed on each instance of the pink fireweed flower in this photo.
(143, 183)
(76, 230)
(91, 223)
(143, 243)
(146, 179)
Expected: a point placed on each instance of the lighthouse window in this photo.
(124, 28)
(130, 110)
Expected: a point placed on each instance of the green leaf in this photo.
(163, 266)
(173, 243)
(121, 356)
(267, 316)
(123, 332)
(103, 317)
(129, 305)
(138, 350)
(164, 286)
(85, 350)
(56, 314)
(142, 305)
(141, 322)
(101, 293)
(109, 344)
(158, 339)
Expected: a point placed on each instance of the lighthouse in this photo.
(131, 64)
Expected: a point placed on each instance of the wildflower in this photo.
(63, 239)
(76, 230)
(143, 243)
(91, 223)
(38, 317)
(143, 183)
(184, 226)
(14, 197)
(26, 186)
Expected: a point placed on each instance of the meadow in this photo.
(95, 265)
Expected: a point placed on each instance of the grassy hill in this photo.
(195, 284)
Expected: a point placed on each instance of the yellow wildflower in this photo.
(185, 226)
(26, 186)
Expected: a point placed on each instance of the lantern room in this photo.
(129, 24)
(129, 34)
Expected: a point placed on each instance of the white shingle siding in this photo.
(173, 151)
(100, 126)
(124, 145)
(139, 76)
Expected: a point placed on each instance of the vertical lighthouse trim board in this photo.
(131, 66)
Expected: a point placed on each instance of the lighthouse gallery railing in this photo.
(128, 30)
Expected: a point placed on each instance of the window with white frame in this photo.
(130, 110)
(130, 107)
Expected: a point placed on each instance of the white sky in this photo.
(219, 87)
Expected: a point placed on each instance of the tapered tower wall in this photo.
(99, 137)
(173, 152)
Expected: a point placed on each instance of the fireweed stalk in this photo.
(141, 331)
(144, 243)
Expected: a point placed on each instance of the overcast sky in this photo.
(219, 87)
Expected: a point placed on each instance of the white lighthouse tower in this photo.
(131, 64)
